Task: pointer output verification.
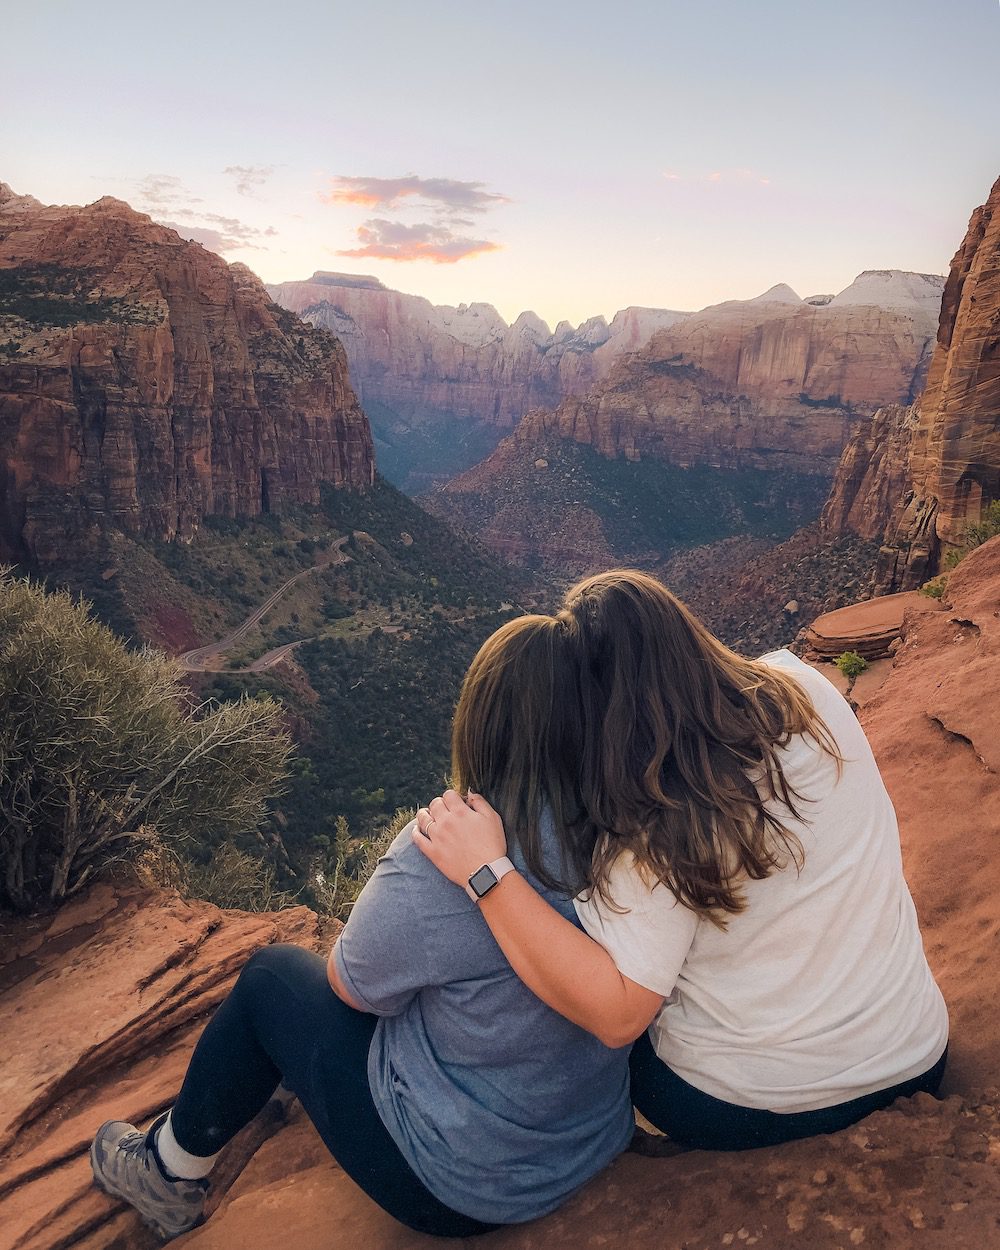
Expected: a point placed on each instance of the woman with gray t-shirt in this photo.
(442, 1085)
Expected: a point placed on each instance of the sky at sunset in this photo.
(572, 158)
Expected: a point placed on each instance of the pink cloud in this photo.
(392, 240)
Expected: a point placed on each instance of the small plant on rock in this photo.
(851, 665)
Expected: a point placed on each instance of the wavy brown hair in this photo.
(675, 724)
(516, 735)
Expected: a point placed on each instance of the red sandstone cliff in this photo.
(921, 1175)
(941, 467)
(767, 383)
(145, 384)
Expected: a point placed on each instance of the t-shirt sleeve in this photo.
(380, 955)
(646, 932)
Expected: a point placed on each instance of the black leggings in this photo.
(696, 1119)
(283, 1024)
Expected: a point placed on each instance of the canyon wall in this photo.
(419, 358)
(941, 464)
(770, 383)
(145, 384)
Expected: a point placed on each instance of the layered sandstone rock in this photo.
(767, 389)
(921, 497)
(145, 383)
(102, 1003)
(771, 383)
(873, 474)
(418, 358)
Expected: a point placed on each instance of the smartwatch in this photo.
(486, 878)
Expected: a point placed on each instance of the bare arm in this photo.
(337, 984)
(558, 962)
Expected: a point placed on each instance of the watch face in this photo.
(483, 880)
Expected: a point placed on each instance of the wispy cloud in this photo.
(161, 190)
(448, 194)
(249, 178)
(728, 176)
(168, 201)
(394, 240)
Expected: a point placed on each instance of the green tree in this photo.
(102, 751)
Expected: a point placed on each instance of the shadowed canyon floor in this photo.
(102, 1002)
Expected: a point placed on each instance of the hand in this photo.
(458, 836)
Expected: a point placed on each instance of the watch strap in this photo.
(499, 868)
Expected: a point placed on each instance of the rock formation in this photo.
(870, 629)
(145, 383)
(102, 1002)
(873, 474)
(767, 390)
(419, 358)
(937, 467)
(735, 382)
(772, 383)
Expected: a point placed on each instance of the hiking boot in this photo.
(125, 1167)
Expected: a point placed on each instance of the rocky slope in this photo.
(101, 1004)
(916, 479)
(145, 383)
(442, 384)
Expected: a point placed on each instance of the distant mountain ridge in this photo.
(442, 384)
(773, 385)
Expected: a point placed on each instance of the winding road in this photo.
(207, 659)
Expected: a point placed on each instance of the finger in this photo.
(479, 804)
(421, 842)
(437, 808)
(424, 818)
(452, 800)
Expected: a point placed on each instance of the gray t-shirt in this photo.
(502, 1107)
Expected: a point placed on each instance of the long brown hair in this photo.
(516, 735)
(675, 727)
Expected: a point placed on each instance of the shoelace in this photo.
(135, 1144)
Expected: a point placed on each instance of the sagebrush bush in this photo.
(102, 750)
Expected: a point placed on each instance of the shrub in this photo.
(233, 878)
(851, 664)
(935, 588)
(335, 884)
(102, 750)
(981, 531)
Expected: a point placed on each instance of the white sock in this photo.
(176, 1160)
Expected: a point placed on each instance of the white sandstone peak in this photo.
(780, 293)
(893, 288)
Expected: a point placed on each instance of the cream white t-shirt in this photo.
(819, 991)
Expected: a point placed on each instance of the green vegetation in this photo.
(335, 880)
(392, 616)
(644, 511)
(851, 665)
(981, 531)
(826, 401)
(935, 588)
(103, 752)
(54, 295)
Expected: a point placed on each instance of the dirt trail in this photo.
(207, 659)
